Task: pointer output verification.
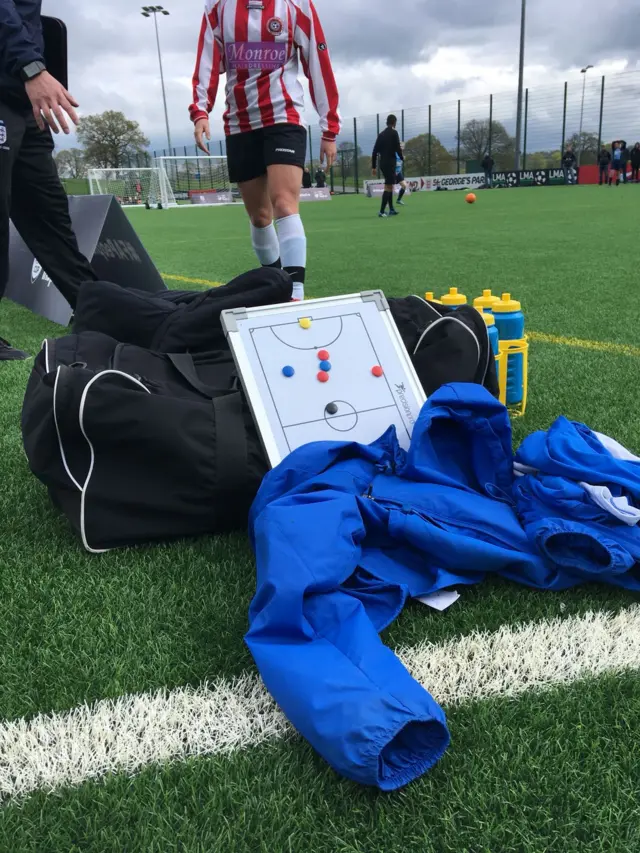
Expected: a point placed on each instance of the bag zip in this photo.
(115, 365)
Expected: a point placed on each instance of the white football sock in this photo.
(265, 244)
(293, 250)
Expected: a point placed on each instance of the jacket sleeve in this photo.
(209, 64)
(319, 652)
(374, 156)
(316, 62)
(19, 48)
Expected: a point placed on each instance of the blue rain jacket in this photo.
(345, 533)
(559, 470)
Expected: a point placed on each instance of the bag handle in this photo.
(183, 363)
(232, 459)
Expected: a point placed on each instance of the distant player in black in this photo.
(384, 152)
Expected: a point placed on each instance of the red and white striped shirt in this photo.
(259, 44)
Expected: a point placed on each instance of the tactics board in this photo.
(324, 370)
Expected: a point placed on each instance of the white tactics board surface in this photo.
(324, 370)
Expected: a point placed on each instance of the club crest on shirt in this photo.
(275, 26)
(322, 46)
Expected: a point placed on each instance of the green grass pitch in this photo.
(548, 771)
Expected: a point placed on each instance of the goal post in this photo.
(199, 180)
(147, 186)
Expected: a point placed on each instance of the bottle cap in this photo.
(454, 298)
(489, 319)
(506, 305)
(487, 300)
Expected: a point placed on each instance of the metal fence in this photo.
(446, 138)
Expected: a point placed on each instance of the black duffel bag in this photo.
(445, 344)
(175, 320)
(137, 446)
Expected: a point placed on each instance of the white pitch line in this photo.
(132, 732)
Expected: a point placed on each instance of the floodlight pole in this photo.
(584, 87)
(147, 12)
(523, 26)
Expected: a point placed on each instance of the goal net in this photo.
(148, 187)
(198, 180)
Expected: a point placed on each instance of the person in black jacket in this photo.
(624, 160)
(306, 179)
(32, 104)
(635, 162)
(487, 164)
(321, 179)
(569, 163)
(604, 161)
(384, 152)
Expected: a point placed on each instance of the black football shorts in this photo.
(389, 173)
(249, 154)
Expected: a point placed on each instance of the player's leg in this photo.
(403, 189)
(247, 169)
(40, 213)
(284, 191)
(11, 129)
(385, 199)
(389, 172)
(285, 148)
(264, 239)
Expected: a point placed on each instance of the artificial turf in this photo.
(556, 771)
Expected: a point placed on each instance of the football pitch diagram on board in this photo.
(324, 370)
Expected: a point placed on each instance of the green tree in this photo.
(71, 163)
(537, 160)
(587, 143)
(111, 140)
(419, 156)
(544, 159)
(477, 135)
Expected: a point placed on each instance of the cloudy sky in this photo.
(387, 54)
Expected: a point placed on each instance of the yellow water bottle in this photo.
(454, 298)
(486, 301)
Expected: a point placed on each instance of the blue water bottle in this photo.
(494, 335)
(510, 325)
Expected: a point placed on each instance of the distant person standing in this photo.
(487, 164)
(321, 179)
(604, 162)
(635, 162)
(569, 163)
(32, 104)
(400, 181)
(306, 179)
(624, 159)
(616, 164)
(384, 152)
